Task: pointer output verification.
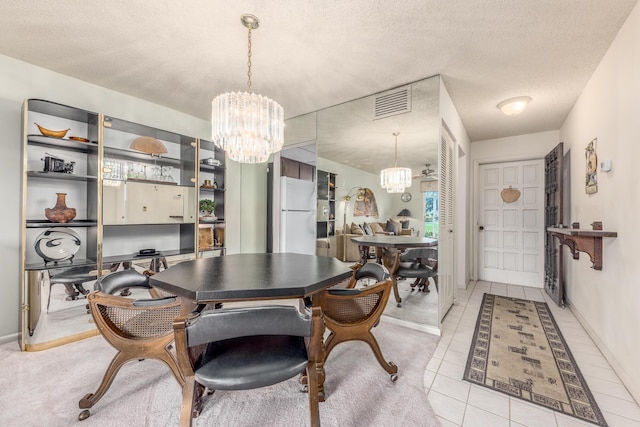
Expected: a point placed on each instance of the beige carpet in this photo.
(518, 349)
(43, 389)
(417, 306)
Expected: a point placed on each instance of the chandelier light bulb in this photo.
(395, 179)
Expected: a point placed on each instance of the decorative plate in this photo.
(77, 138)
(510, 195)
(57, 244)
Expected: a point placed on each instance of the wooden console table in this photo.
(583, 240)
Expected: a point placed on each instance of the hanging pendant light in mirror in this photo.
(247, 126)
(395, 179)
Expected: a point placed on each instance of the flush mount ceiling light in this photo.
(395, 179)
(514, 106)
(247, 126)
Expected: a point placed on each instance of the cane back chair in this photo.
(137, 329)
(351, 313)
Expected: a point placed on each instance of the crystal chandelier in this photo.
(248, 126)
(395, 179)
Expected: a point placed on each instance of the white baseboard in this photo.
(424, 328)
(630, 383)
(9, 338)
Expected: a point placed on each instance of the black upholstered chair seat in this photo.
(247, 347)
(123, 280)
(72, 279)
(416, 263)
(251, 362)
(78, 275)
(413, 272)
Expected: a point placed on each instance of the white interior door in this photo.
(446, 259)
(511, 235)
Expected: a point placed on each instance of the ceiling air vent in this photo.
(396, 101)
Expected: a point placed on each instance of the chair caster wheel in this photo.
(84, 415)
(398, 305)
(394, 378)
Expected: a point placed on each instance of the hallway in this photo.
(459, 403)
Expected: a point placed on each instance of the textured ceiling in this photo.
(309, 55)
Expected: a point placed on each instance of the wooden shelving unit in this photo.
(326, 209)
(211, 234)
(126, 200)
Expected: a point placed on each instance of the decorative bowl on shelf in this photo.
(57, 244)
(52, 133)
(208, 218)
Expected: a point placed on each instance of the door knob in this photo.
(481, 227)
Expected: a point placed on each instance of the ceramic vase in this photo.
(60, 212)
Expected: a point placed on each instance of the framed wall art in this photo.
(591, 158)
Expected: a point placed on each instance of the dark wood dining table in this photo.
(242, 277)
(246, 277)
(392, 246)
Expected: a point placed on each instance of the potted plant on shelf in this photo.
(207, 206)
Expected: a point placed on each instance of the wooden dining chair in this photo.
(351, 313)
(137, 328)
(245, 348)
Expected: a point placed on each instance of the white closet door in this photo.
(446, 248)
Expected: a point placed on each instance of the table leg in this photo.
(321, 353)
(364, 254)
(391, 260)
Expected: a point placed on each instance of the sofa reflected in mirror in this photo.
(347, 250)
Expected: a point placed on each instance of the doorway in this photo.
(511, 222)
(431, 214)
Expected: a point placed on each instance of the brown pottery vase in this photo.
(60, 212)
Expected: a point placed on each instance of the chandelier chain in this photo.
(395, 164)
(247, 126)
(249, 62)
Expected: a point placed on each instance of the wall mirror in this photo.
(355, 141)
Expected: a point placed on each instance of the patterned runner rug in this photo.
(518, 349)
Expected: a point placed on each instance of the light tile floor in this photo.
(460, 403)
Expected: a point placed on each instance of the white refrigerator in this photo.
(297, 216)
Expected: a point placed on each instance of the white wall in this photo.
(608, 301)
(348, 178)
(10, 149)
(252, 212)
(520, 147)
(20, 81)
